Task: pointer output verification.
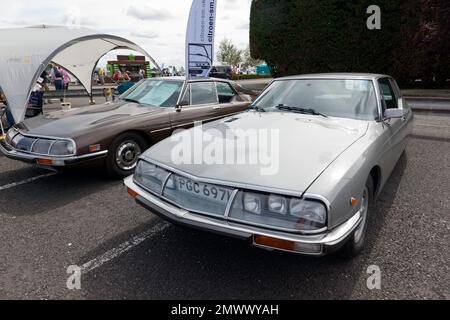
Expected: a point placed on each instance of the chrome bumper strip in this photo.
(334, 237)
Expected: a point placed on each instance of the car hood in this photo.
(307, 145)
(79, 120)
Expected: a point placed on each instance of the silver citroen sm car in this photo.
(339, 138)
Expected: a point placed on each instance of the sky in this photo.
(159, 26)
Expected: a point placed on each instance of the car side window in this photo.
(203, 93)
(225, 92)
(388, 94)
(398, 91)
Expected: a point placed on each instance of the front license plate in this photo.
(202, 190)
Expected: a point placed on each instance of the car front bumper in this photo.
(317, 245)
(48, 161)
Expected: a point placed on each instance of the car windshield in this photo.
(342, 98)
(160, 93)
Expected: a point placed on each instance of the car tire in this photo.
(355, 244)
(123, 154)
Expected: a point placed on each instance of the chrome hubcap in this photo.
(127, 155)
(364, 208)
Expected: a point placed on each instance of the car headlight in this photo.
(150, 176)
(252, 203)
(42, 146)
(62, 148)
(278, 204)
(278, 211)
(312, 211)
(23, 143)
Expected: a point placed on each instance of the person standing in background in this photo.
(57, 80)
(45, 82)
(117, 75)
(141, 74)
(66, 78)
(126, 76)
(101, 76)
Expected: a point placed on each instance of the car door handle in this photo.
(217, 107)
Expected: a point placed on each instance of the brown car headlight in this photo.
(272, 210)
(42, 146)
(23, 143)
(62, 148)
(150, 176)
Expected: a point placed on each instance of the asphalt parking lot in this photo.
(49, 222)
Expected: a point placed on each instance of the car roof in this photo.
(338, 75)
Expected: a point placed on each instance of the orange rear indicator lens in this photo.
(353, 201)
(132, 193)
(45, 162)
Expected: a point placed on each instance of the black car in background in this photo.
(222, 72)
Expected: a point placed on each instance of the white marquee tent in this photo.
(26, 52)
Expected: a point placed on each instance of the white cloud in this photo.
(148, 13)
(144, 34)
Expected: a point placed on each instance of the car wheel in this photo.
(355, 244)
(124, 154)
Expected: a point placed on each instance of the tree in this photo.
(229, 53)
(307, 36)
(249, 61)
(433, 42)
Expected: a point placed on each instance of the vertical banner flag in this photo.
(200, 38)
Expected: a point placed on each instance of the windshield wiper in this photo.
(300, 110)
(131, 100)
(257, 108)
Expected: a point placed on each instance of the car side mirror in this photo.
(394, 114)
(180, 105)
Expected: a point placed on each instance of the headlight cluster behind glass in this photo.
(278, 211)
(62, 148)
(40, 146)
(150, 176)
(271, 210)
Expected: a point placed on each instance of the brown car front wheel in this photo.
(124, 154)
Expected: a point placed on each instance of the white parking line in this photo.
(122, 248)
(18, 183)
